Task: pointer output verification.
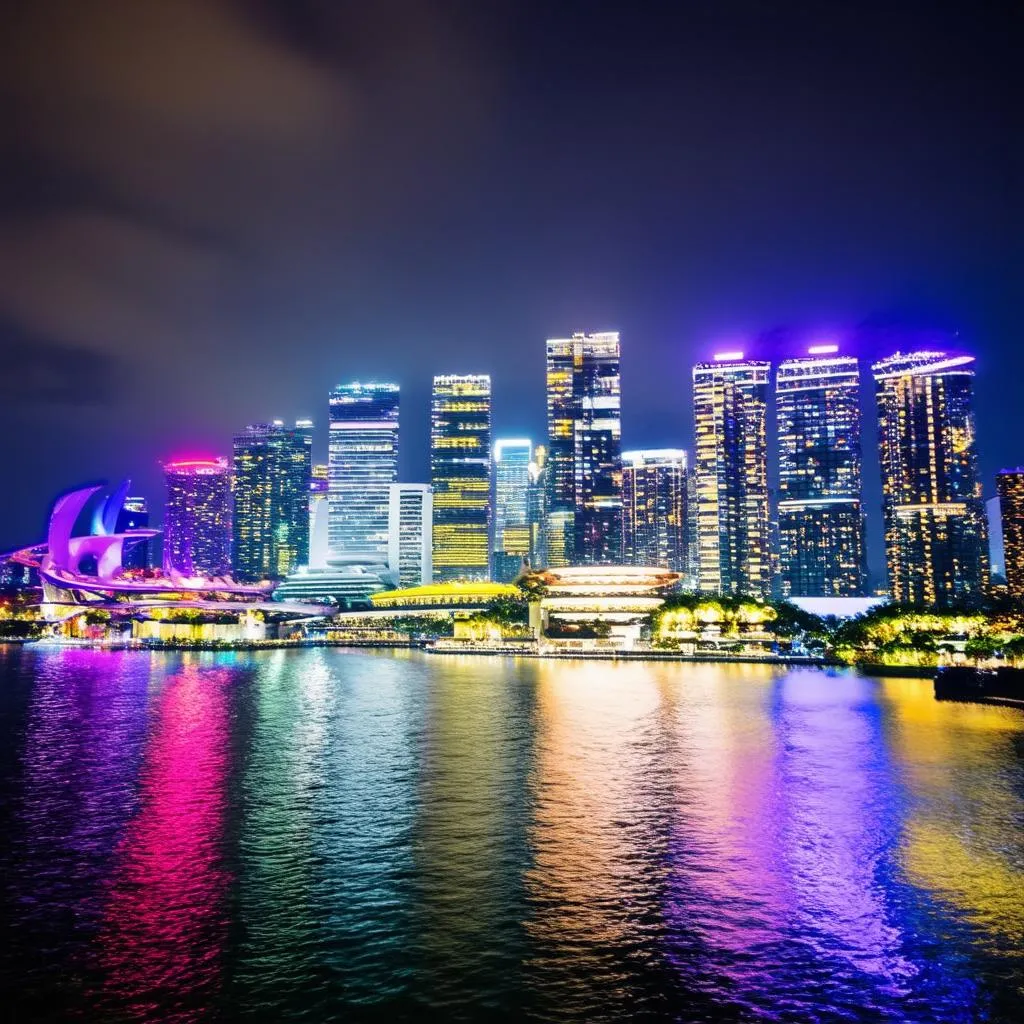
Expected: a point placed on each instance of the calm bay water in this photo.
(325, 835)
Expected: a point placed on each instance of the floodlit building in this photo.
(134, 515)
(362, 466)
(537, 507)
(654, 518)
(346, 586)
(272, 469)
(584, 468)
(1010, 485)
(197, 518)
(568, 605)
(731, 467)
(410, 541)
(319, 517)
(820, 511)
(512, 534)
(460, 469)
(935, 529)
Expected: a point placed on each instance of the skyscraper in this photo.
(460, 468)
(512, 459)
(820, 514)
(654, 508)
(197, 517)
(134, 515)
(319, 516)
(537, 507)
(362, 466)
(731, 465)
(1010, 485)
(410, 540)
(584, 450)
(935, 530)
(272, 470)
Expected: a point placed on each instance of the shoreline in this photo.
(426, 648)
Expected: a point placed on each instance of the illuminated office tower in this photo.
(654, 508)
(936, 542)
(197, 518)
(691, 575)
(362, 465)
(820, 514)
(731, 466)
(272, 468)
(134, 515)
(584, 518)
(410, 515)
(460, 469)
(1010, 486)
(537, 507)
(512, 459)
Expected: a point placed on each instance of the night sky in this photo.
(213, 212)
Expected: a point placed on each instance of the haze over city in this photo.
(215, 213)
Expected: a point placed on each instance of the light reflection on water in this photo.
(325, 835)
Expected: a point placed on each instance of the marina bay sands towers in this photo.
(936, 536)
(820, 513)
(935, 527)
(730, 403)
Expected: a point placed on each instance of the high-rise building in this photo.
(134, 515)
(1010, 486)
(691, 575)
(460, 469)
(584, 450)
(197, 518)
(731, 466)
(410, 542)
(362, 466)
(319, 516)
(512, 536)
(272, 468)
(654, 508)
(820, 512)
(935, 530)
(537, 507)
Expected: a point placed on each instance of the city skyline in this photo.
(812, 395)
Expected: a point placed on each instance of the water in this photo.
(327, 835)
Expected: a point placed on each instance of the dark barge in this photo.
(1003, 686)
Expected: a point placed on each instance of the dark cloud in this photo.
(40, 373)
(238, 203)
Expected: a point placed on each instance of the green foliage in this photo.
(421, 625)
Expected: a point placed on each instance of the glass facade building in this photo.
(584, 467)
(1010, 487)
(731, 468)
(537, 507)
(654, 516)
(197, 518)
(512, 533)
(935, 528)
(460, 470)
(271, 491)
(410, 541)
(820, 512)
(362, 465)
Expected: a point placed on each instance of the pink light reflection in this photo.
(165, 923)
